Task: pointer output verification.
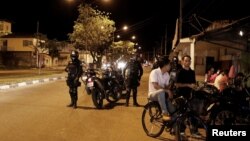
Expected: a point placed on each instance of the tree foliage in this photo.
(93, 31)
(122, 48)
(53, 47)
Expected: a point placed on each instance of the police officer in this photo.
(133, 72)
(74, 69)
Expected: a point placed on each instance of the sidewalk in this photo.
(18, 78)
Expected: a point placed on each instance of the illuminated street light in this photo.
(133, 37)
(89, 2)
(125, 28)
(241, 33)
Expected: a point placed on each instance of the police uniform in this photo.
(133, 73)
(74, 69)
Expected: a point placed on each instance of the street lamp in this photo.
(88, 1)
(125, 28)
(241, 33)
(133, 37)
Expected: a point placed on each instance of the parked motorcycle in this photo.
(233, 106)
(88, 80)
(106, 87)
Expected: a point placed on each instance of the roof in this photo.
(228, 28)
(23, 35)
(4, 20)
(227, 35)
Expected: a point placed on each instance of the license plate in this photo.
(90, 84)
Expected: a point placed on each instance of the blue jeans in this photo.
(160, 96)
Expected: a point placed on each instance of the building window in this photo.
(27, 43)
(1, 27)
(4, 45)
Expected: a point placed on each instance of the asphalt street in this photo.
(38, 112)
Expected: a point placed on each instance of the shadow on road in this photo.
(107, 106)
(164, 139)
(112, 105)
(86, 108)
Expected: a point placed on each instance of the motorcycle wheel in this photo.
(97, 98)
(114, 96)
(223, 117)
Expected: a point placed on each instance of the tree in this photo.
(122, 48)
(93, 32)
(53, 47)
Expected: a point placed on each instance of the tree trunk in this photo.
(99, 61)
(52, 63)
(93, 56)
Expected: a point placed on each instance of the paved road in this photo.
(38, 113)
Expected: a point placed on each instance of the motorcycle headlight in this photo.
(121, 65)
(105, 66)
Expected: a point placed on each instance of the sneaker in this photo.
(196, 135)
(166, 117)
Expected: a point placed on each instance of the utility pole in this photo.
(162, 44)
(154, 53)
(37, 50)
(166, 37)
(180, 19)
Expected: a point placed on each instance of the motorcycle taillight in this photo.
(89, 80)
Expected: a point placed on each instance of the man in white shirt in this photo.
(158, 85)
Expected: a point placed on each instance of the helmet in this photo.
(74, 55)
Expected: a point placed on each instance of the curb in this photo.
(37, 81)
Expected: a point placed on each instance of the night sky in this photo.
(147, 19)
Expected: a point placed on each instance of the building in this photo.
(24, 50)
(5, 27)
(64, 56)
(221, 45)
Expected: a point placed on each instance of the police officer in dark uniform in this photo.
(133, 72)
(74, 69)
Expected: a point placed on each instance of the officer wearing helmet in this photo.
(133, 73)
(74, 70)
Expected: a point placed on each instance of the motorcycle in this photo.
(233, 106)
(106, 87)
(88, 78)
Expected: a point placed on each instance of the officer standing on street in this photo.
(74, 69)
(133, 73)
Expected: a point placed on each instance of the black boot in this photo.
(135, 98)
(75, 104)
(75, 98)
(127, 98)
(127, 102)
(71, 103)
(75, 101)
